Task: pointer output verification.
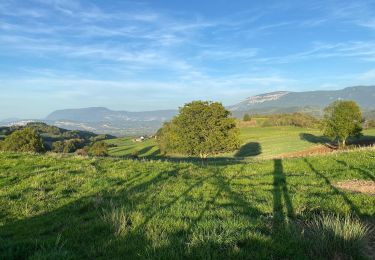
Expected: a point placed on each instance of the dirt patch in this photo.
(321, 149)
(361, 186)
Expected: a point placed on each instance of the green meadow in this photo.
(257, 142)
(68, 207)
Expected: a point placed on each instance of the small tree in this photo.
(342, 119)
(69, 146)
(81, 152)
(201, 129)
(246, 117)
(25, 140)
(99, 149)
(58, 147)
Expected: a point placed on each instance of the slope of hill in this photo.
(256, 142)
(51, 134)
(284, 101)
(74, 208)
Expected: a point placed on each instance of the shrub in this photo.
(99, 149)
(82, 152)
(25, 140)
(246, 117)
(58, 147)
(295, 119)
(332, 236)
(70, 146)
(135, 154)
(370, 124)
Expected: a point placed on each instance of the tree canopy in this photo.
(99, 149)
(202, 128)
(25, 140)
(342, 119)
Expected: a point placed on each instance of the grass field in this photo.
(126, 147)
(61, 207)
(258, 142)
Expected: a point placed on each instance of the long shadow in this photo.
(365, 173)
(314, 139)
(215, 161)
(75, 221)
(145, 149)
(351, 205)
(168, 205)
(249, 149)
(223, 186)
(86, 236)
(121, 149)
(364, 140)
(155, 153)
(280, 192)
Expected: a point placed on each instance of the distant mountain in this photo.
(102, 114)
(309, 101)
(103, 120)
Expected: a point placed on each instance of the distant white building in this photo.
(140, 139)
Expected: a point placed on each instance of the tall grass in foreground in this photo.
(61, 207)
(119, 221)
(337, 237)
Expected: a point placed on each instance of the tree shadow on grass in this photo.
(143, 151)
(335, 190)
(365, 173)
(364, 140)
(80, 225)
(120, 149)
(249, 149)
(85, 235)
(314, 138)
(204, 162)
(223, 187)
(155, 153)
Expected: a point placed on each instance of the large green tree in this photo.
(25, 140)
(201, 129)
(342, 119)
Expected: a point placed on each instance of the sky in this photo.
(159, 54)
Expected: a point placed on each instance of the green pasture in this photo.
(66, 207)
(257, 142)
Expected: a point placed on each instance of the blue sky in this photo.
(145, 55)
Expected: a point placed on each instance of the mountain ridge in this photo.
(103, 114)
(119, 122)
(363, 95)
